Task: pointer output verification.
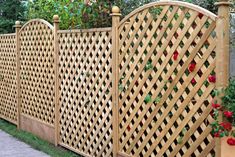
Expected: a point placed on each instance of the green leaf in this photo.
(157, 100)
(215, 123)
(120, 87)
(222, 134)
(180, 140)
(148, 98)
(148, 66)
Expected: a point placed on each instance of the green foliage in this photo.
(157, 100)
(228, 100)
(207, 4)
(45, 9)
(148, 66)
(148, 98)
(128, 6)
(35, 142)
(10, 11)
(73, 14)
(181, 136)
(77, 14)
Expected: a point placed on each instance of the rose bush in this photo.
(227, 109)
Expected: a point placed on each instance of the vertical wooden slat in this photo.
(56, 54)
(115, 51)
(17, 29)
(222, 56)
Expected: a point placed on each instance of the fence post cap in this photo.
(115, 9)
(223, 2)
(17, 24)
(56, 18)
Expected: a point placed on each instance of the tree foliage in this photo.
(73, 14)
(10, 11)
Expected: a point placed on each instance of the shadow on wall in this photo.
(232, 45)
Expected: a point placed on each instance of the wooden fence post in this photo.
(222, 54)
(17, 29)
(56, 54)
(115, 70)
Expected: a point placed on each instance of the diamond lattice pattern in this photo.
(85, 92)
(37, 76)
(8, 87)
(163, 106)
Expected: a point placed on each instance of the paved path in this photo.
(11, 147)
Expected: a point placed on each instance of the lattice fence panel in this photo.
(166, 55)
(37, 71)
(85, 102)
(8, 87)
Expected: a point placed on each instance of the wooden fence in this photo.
(139, 88)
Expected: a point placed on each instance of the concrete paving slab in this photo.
(12, 147)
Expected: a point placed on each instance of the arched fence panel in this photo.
(166, 55)
(37, 78)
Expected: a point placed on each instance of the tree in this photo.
(91, 13)
(73, 13)
(10, 11)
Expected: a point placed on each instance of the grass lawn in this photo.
(35, 142)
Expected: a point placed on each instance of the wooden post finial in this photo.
(223, 2)
(17, 24)
(115, 11)
(56, 19)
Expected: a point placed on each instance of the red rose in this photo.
(176, 54)
(192, 66)
(200, 15)
(228, 114)
(231, 141)
(226, 125)
(212, 78)
(193, 81)
(217, 134)
(216, 105)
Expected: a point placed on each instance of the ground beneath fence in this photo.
(11, 147)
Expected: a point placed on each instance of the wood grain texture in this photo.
(35, 126)
(85, 91)
(37, 71)
(149, 38)
(8, 80)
